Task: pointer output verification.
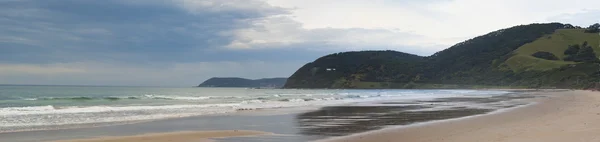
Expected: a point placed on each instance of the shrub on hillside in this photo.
(545, 55)
(585, 53)
(593, 28)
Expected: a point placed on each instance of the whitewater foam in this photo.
(96, 109)
(155, 106)
(177, 97)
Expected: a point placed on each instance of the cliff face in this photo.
(242, 82)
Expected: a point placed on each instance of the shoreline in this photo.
(292, 118)
(260, 111)
(234, 111)
(196, 136)
(535, 121)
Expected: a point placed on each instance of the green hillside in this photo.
(552, 55)
(556, 44)
(348, 69)
(524, 62)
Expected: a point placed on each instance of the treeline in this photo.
(581, 53)
(593, 28)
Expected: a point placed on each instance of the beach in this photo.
(365, 115)
(562, 116)
(556, 117)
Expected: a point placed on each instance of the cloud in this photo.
(420, 27)
(281, 32)
(437, 20)
(75, 30)
(582, 18)
(256, 8)
(181, 42)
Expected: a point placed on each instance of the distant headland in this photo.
(242, 82)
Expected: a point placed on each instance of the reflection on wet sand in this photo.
(346, 120)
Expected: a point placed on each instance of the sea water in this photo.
(24, 108)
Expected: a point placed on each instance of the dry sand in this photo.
(572, 116)
(194, 136)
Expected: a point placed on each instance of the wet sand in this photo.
(351, 120)
(563, 116)
(347, 120)
(290, 126)
(197, 136)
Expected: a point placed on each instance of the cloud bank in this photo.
(183, 42)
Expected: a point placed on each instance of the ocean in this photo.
(27, 108)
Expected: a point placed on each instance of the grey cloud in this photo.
(164, 42)
(65, 30)
(45, 31)
(283, 32)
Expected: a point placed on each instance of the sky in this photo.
(184, 42)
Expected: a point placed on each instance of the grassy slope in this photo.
(520, 63)
(556, 44)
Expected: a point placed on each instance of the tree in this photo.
(585, 54)
(572, 49)
(595, 28)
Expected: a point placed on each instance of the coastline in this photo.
(266, 122)
(561, 116)
(294, 125)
